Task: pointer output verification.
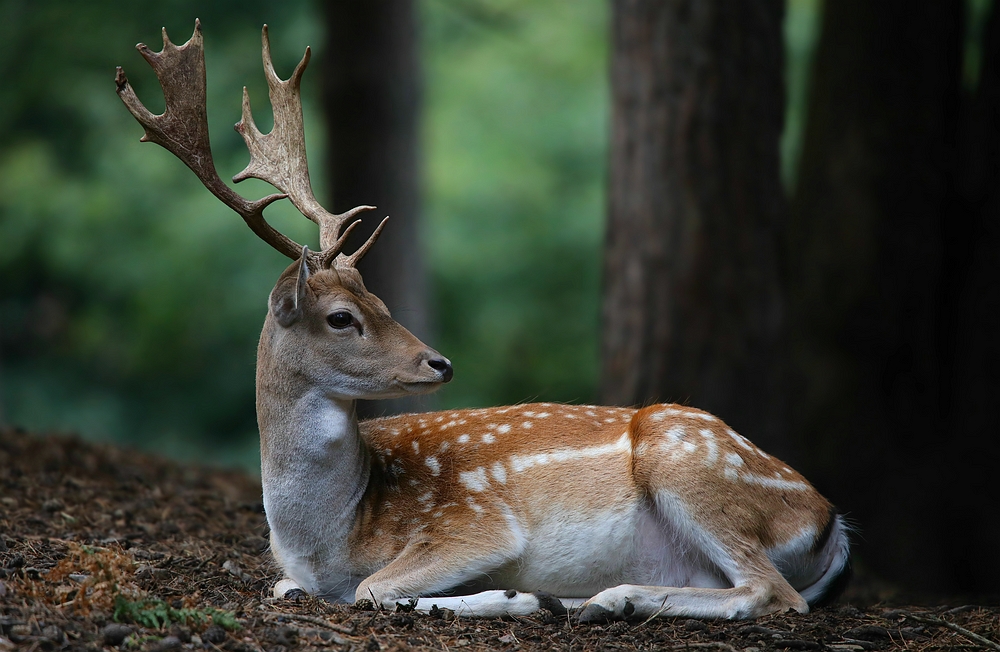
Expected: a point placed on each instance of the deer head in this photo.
(321, 321)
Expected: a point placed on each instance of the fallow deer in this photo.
(621, 512)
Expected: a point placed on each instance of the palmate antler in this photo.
(278, 158)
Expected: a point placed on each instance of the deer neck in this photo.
(313, 462)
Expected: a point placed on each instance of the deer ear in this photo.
(289, 294)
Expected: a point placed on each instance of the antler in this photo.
(278, 158)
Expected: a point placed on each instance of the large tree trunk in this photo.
(372, 97)
(692, 306)
(886, 289)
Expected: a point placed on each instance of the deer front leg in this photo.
(426, 567)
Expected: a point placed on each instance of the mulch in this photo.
(106, 548)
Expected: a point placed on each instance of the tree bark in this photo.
(372, 96)
(881, 250)
(692, 308)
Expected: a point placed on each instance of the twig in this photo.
(663, 607)
(934, 620)
(311, 619)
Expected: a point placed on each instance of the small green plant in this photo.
(157, 614)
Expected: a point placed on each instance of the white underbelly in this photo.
(575, 554)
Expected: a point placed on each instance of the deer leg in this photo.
(426, 567)
(494, 604)
(757, 588)
(748, 601)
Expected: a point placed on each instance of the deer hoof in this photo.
(594, 613)
(550, 602)
(287, 589)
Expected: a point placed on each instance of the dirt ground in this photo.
(108, 548)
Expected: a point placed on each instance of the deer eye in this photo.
(340, 319)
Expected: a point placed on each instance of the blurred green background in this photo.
(131, 299)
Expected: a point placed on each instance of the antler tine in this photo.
(182, 128)
(329, 255)
(353, 259)
(279, 157)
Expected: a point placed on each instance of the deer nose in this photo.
(443, 367)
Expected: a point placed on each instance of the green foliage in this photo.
(516, 139)
(976, 14)
(157, 614)
(131, 299)
(801, 32)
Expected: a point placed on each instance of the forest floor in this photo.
(104, 548)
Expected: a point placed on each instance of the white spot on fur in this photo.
(773, 483)
(503, 428)
(731, 473)
(674, 435)
(526, 425)
(439, 420)
(444, 446)
(705, 416)
(739, 439)
(543, 415)
(416, 446)
(734, 459)
(713, 449)
(433, 464)
(488, 438)
(499, 473)
(520, 463)
(474, 480)
(463, 439)
(689, 446)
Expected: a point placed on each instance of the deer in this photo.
(613, 512)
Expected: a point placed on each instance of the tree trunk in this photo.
(692, 308)
(880, 248)
(371, 98)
